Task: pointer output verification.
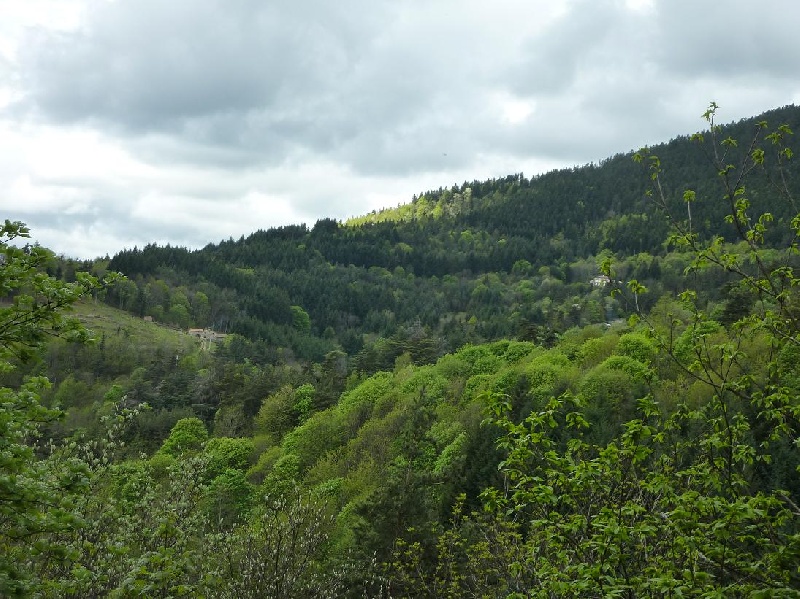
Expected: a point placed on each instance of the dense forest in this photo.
(583, 384)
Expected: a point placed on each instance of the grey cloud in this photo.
(593, 82)
(151, 65)
(109, 214)
(739, 39)
(360, 81)
(76, 237)
(607, 78)
(552, 60)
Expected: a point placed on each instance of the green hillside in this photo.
(558, 387)
(476, 262)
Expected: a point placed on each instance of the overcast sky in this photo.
(124, 122)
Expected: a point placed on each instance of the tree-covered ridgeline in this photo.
(584, 455)
(515, 253)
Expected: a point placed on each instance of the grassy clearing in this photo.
(110, 322)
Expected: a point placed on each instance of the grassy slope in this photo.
(103, 320)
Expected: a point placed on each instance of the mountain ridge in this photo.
(497, 251)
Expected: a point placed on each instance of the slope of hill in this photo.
(507, 257)
(337, 447)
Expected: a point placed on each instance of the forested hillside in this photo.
(480, 261)
(583, 384)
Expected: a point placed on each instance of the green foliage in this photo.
(284, 475)
(304, 402)
(228, 497)
(645, 514)
(637, 371)
(33, 303)
(281, 552)
(276, 416)
(225, 453)
(474, 556)
(36, 496)
(264, 463)
(608, 493)
(300, 319)
(71, 392)
(610, 391)
(186, 437)
(594, 351)
(638, 347)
